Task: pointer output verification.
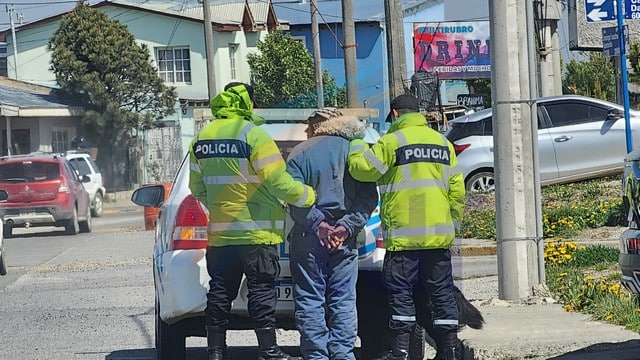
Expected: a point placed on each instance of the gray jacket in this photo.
(320, 162)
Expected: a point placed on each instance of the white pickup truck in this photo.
(180, 274)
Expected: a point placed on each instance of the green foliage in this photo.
(283, 75)
(594, 77)
(478, 224)
(97, 61)
(566, 210)
(593, 255)
(589, 282)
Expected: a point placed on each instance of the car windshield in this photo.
(461, 130)
(80, 165)
(29, 171)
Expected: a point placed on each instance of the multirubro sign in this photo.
(455, 50)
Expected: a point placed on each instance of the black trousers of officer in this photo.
(402, 269)
(225, 265)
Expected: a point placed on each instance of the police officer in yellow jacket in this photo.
(422, 193)
(238, 173)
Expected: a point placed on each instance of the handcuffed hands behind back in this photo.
(331, 237)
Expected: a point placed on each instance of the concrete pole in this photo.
(550, 73)
(515, 195)
(10, 10)
(394, 24)
(317, 56)
(556, 58)
(208, 44)
(350, 46)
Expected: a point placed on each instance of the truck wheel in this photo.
(86, 226)
(170, 340)
(98, 205)
(72, 227)
(3, 261)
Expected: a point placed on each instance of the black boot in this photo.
(216, 343)
(268, 348)
(451, 346)
(452, 353)
(399, 349)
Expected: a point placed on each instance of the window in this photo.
(571, 113)
(20, 142)
(81, 165)
(59, 141)
(233, 53)
(174, 65)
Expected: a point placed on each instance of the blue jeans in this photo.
(324, 281)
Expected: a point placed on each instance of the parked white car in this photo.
(181, 278)
(84, 165)
(578, 138)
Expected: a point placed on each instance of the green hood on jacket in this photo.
(234, 103)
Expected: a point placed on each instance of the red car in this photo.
(43, 190)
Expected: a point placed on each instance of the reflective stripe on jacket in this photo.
(237, 171)
(421, 188)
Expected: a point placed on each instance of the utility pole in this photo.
(317, 61)
(208, 44)
(393, 18)
(350, 47)
(549, 51)
(516, 233)
(10, 11)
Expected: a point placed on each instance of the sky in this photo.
(32, 10)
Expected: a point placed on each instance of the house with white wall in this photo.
(174, 33)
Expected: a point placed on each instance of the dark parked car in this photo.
(43, 190)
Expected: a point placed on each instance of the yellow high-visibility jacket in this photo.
(421, 189)
(237, 171)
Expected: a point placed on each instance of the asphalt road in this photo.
(91, 296)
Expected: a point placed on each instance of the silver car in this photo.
(578, 138)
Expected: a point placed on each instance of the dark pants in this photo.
(402, 269)
(324, 288)
(226, 264)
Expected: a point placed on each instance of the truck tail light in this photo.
(460, 148)
(633, 246)
(190, 231)
(63, 188)
(379, 239)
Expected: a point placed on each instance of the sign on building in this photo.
(599, 10)
(471, 101)
(455, 50)
(611, 41)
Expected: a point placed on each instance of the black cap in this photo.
(404, 101)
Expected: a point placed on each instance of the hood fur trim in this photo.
(348, 127)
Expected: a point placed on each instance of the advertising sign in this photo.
(455, 50)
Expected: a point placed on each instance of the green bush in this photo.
(589, 282)
(594, 255)
(566, 209)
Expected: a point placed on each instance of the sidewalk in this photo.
(536, 327)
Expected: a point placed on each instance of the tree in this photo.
(283, 75)
(97, 62)
(594, 77)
